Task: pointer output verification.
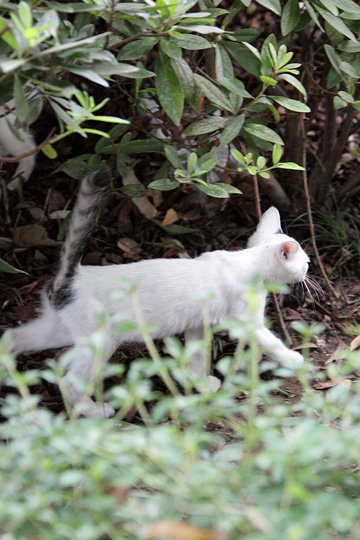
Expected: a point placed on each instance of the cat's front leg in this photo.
(277, 350)
(81, 377)
(198, 361)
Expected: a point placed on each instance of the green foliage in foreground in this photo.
(202, 466)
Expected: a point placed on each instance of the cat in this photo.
(169, 293)
(10, 144)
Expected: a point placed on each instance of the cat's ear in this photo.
(269, 224)
(270, 221)
(288, 249)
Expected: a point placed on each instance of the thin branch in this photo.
(257, 196)
(310, 218)
(15, 159)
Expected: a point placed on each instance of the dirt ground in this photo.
(32, 225)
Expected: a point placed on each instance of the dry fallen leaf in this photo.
(178, 530)
(171, 217)
(355, 344)
(129, 246)
(31, 236)
(59, 214)
(337, 354)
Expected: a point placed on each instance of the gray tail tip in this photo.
(101, 178)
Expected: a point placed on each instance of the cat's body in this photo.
(10, 144)
(170, 294)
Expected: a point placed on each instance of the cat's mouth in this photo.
(309, 287)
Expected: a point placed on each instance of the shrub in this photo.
(239, 463)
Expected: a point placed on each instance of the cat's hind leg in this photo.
(88, 361)
(46, 332)
(197, 364)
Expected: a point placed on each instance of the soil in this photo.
(32, 227)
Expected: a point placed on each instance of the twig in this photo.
(310, 218)
(15, 159)
(280, 320)
(257, 196)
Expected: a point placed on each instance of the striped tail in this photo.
(82, 221)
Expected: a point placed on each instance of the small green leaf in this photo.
(260, 162)
(238, 156)
(164, 184)
(21, 103)
(290, 165)
(8, 35)
(291, 104)
(277, 152)
(264, 174)
(49, 151)
(192, 162)
(268, 80)
(193, 43)
(263, 132)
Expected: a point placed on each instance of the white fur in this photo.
(11, 145)
(169, 292)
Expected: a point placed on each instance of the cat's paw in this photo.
(213, 383)
(291, 359)
(89, 409)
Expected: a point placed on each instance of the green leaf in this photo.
(348, 5)
(350, 70)
(336, 22)
(290, 17)
(263, 132)
(164, 184)
(213, 190)
(139, 146)
(260, 162)
(192, 162)
(273, 5)
(25, 14)
(136, 49)
(223, 64)
(49, 151)
(213, 93)
(349, 46)
(7, 36)
(21, 103)
(232, 129)
(334, 58)
(193, 43)
(186, 78)
(294, 82)
(246, 59)
(170, 48)
(268, 80)
(172, 156)
(346, 96)
(290, 165)
(8, 268)
(291, 104)
(264, 174)
(238, 156)
(207, 125)
(235, 86)
(169, 89)
(277, 152)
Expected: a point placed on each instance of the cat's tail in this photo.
(82, 221)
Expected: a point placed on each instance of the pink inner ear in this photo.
(287, 249)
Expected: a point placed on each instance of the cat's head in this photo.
(289, 262)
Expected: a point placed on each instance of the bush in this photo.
(240, 463)
(201, 80)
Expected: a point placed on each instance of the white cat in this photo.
(12, 145)
(169, 293)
